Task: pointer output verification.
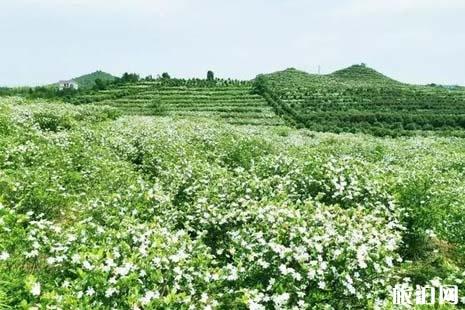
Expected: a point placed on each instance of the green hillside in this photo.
(87, 81)
(361, 73)
(359, 99)
(232, 102)
(354, 99)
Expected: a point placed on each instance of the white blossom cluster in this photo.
(152, 213)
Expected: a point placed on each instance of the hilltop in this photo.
(360, 99)
(362, 73)
(355, 74)
(87, 81)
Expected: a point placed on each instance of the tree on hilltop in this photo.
(210, 75)
(130, 78)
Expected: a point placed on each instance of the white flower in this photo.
(233, 273)
(361, 256)
(87, 265)
(35, 289)
(50, 260)
(283, 269)
(149, 296)
(124, 270)
(391, 244)
(296, 276)
(389, 261)
(263, 263)
(75, 258)
(280, 300)
(110, 291)
(255, 305)
(178, 257)
(311, 274)
(4, 255)
(106, 268)
(32, 253)
(90, 291)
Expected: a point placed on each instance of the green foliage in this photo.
(100, 84)
(129, 78)
(103, 212)
(243, 152)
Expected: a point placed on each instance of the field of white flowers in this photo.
(105, 212)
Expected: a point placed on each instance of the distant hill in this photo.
(361, 73)
(87, 81)
(353, 75)
(360, 99)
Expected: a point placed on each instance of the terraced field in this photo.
(235, 104)
(355, 99)
(359, 99)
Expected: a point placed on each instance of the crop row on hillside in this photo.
(359, 99)
(232, 103)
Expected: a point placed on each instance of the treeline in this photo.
(166, 80)
(70, 94)
(44, 92)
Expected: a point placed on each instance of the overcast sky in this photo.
(418, 41)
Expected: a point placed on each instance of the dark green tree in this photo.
(100, 84)
(210, 75)
(130, 78)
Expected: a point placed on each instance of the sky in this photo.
(414, 41)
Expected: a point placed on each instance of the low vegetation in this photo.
(99, 211)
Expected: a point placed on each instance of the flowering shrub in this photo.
(152, 213)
